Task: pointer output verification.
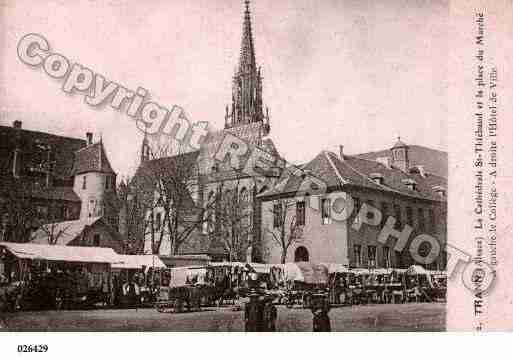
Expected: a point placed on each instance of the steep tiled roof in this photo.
(65, 231)
(32, 146)
(56, 193)
(353, 171)
(92, 159)
(434, 161)
(393, 179)
(148, 172)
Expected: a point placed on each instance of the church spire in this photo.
(247, 50)
(247, 82)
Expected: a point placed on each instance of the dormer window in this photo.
(420, 170)
(440, 191)
(411, 184)
(377, 178)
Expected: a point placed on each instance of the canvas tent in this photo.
(138, 262)
(56, 253)
(416, 269)
(306, 272)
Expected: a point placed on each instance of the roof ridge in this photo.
(370, 180)
(339, 176)
(87, 147)
(44, 133)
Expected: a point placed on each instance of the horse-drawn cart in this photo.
(302, 279)
(185, 287)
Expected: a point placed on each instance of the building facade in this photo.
(47, 178)
(331, 225)
(233, 215)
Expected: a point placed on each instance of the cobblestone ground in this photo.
(390, 317)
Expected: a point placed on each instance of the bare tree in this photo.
(17, 208)
(132, 216)
(284, 229)
(234, 219)
(49, 222)
(169, 189)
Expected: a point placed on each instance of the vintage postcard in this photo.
(258, 166)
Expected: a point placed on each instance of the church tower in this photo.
(400, 158)
(245, 117)
(95, 182)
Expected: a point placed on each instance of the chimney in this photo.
(17, 124)
(341, 152)
(89, 136)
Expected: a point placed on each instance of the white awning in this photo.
(138, 262)
(59, 253)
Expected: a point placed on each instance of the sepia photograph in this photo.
(227, 166)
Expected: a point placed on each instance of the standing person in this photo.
(320, 308)
(253, 313)
(269, 315)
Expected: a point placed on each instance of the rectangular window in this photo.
(300, 213)
(422, 223)
(398, 217)
(277, 209)
(386, 257)
(96, 240)
(357, 255)
(371, 254)
(158, 221)
(107, 182)
(326, 210)
(357, 204)
(409, 216)
(432, 220)
(84, 182)
(42, 212)
(384, 213)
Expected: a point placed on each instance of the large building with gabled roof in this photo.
(47, 178)
(316, 233)
(246, 118)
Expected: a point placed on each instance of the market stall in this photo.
(135, 279)
(54, 276)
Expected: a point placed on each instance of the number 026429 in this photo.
(32, 348)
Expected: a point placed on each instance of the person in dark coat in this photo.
(253, 313)
(269, 315)
(320, 309)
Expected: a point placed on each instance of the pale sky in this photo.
(336, 72)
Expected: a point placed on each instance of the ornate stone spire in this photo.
(247, 82)
(247, 49)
